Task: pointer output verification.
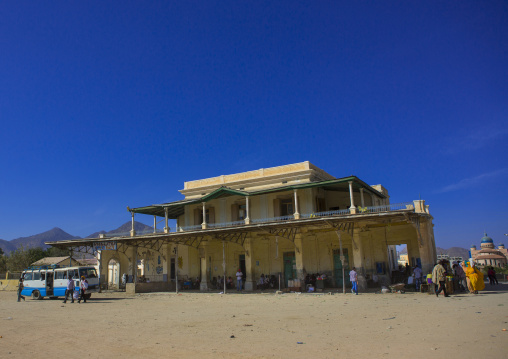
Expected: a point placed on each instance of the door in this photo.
(49, 283)
(289, 266)
(173, 269)
(337, 267)
(243, 268)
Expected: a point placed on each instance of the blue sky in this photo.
(105, 105)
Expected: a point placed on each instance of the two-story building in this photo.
(286, 221)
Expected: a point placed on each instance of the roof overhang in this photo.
(176, 209)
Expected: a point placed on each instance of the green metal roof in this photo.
(177, 208)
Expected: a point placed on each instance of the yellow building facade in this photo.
(286, 222)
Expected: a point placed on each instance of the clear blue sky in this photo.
(105, 104)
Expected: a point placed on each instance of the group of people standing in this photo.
(467, 276)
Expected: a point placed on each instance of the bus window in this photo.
(37, 276)
(43, 276)
(73, 274)
(60, 275)
(28, 276)
(87, 272)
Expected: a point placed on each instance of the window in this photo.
(242, 211)
(60, 275)
(286, 207)
(73, 273)
(87, 272)
(28, 276)
(37, 276)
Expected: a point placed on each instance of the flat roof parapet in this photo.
(306, 169)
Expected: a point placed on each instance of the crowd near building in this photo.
(285, 222)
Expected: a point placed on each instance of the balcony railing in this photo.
(339, 212)
(406, 206)
(226, 224)
(387, 208)
(273, 219)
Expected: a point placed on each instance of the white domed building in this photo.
(489, 255)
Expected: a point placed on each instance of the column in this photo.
(247, 217)
(296, 214)
(135, 264)
(102, 277)
(166, 227)
(133, 231)
(250, 280)
(352, 208)
(428, 247)
(154, 224)
(361, 197)
(203, 225)
(205, 262)
(132, 254)
(359, 260)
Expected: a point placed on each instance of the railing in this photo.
(338, 212)
(226, 224)
(127, 234)
(273, 219)
(405, 206)
(387, 208)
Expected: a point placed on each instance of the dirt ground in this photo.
(258, 325)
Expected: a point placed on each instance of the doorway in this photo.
(337, 266)
(113, 273)
(289, 267)
(243, 268)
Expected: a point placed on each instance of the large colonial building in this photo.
(286, 221)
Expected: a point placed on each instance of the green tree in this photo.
(56, 252)
(23, 257)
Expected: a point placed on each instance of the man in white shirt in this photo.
(70, 289)
(353, 277)
(239, 277)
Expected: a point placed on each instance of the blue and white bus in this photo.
(40, 282)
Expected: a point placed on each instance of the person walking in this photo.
(20, 289)
(239, 277)
(439, 278)
(83, 286)
(353, 277)
(70, 289)
(417, 272)
(492, 276)
(461, 277)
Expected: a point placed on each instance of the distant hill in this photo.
(37, 240)
(57, 234)
(7, 246)
(124, 228)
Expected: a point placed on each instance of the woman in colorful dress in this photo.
(474, 278)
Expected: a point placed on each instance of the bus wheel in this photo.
(88, 295)
(36, 295)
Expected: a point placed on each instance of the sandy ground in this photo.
(191, 325)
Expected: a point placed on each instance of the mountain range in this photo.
(57, 234)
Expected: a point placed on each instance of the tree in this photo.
(23, 257)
